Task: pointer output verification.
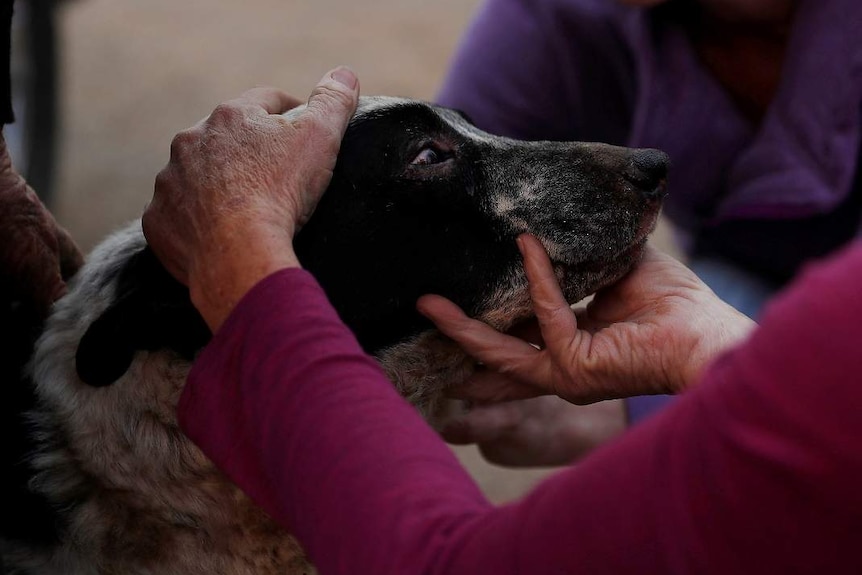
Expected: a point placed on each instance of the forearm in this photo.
(309, 427)
(756, 469)
(239, 258)
(307, 424)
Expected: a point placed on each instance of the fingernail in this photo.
(345, 77)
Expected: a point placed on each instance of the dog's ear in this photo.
(151, 311)
(108, 347)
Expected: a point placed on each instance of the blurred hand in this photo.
(240, 184)
(543, 431)
(652, 332)
(36, 255)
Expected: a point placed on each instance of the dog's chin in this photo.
(423, 367)
(430, 363)
(584, 278)
(571, 251)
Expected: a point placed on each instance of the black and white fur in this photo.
(421, 201)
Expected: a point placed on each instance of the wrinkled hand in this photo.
(542, 431)
(652, 332)
(36, 255)
(240, 184)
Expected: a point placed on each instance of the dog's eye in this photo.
(427, 157)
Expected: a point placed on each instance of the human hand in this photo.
(36, 255)
(240, 184)
(538, 432)
(652, 332)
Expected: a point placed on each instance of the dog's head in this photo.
(421, 201)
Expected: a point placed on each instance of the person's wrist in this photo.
(730, 327)
(230, 267)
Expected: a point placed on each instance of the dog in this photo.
(421, 201)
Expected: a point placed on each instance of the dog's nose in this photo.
(647, 170)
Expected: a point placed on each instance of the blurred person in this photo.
(36, 255)
(755, 469)
(758, 104)
(36, 258)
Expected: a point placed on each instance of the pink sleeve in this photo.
(756, 470)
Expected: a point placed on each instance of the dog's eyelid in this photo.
(432, 153)
(426, 156)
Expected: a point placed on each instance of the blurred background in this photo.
(131, 73)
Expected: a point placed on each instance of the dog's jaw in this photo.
(424, 367)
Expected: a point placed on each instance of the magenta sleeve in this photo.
(755, 470)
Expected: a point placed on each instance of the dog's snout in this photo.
(647, 170)
(651, 163)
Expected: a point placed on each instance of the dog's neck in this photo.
(422, 368)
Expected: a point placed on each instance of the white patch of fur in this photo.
(369, 104)
(503, 205)
(531, 190)
(138, 495)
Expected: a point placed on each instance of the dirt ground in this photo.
(134, 73)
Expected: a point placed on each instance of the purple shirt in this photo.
(764, 196)
(755, 470)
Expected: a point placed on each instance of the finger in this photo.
(529, 331)
(71, 258)
(479, 340)
(620, 300)
(483, 424)
(333, 102)
(164, 240)
(268, 99)
(653, 254)
(589, 322)
(488, 387)
(555, 317)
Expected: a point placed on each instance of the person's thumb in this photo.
(333, 102)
